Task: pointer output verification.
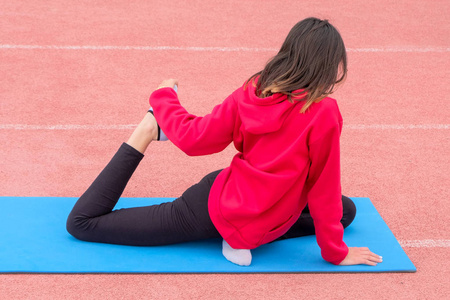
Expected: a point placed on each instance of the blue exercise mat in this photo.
(33, 239)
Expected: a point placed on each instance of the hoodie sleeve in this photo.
(324, 196)
(194, 135)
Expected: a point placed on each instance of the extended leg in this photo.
(185, 219)
(103, 194)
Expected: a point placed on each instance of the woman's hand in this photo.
(168, 83)
(361, 256)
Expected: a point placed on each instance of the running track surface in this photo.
(76, 76)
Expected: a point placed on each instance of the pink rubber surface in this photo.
(398, 76)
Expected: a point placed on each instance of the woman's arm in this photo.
(324, 195)
(193, 135)
(324, 200)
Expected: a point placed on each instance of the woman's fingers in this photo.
(376, 258)
(370, 256)
(370, 263)
(373, 260)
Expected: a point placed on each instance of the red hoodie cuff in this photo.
(341, 257)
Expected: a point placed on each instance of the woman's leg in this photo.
(185, 219)
(305, 224)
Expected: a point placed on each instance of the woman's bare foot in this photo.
(144, 134)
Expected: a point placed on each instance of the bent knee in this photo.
(349, 211)
(71, 226)
(76, 226)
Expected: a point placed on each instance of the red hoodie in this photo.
(286, 160)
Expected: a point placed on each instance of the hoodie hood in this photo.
(263, 115)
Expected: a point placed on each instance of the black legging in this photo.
(185, 219)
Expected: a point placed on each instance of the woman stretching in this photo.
(284, 182)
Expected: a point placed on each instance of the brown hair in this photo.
(310, 59)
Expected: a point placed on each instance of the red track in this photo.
(398, 77)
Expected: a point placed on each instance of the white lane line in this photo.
(141, 48)
(66, 127)
(401, 49)
(210, 49)
(425, 243)
(395, 126)
(132, 126)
